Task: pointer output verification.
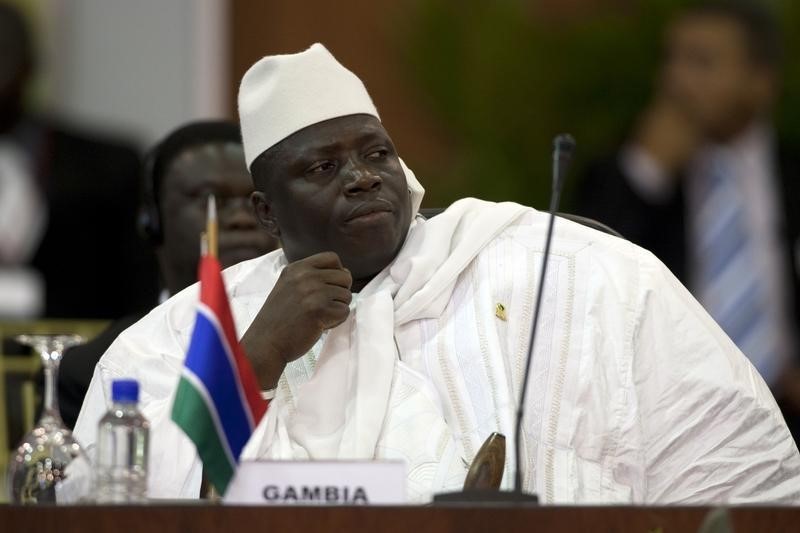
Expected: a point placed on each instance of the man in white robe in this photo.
(636, 395)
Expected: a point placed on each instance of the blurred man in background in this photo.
(68, 244)
(705, 183)
(192, 162)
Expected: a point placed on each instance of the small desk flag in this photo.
(218, 403)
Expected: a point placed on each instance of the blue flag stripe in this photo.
(198, 386)
(208, 360)
(210, 314)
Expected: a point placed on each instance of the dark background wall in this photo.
(473, 91)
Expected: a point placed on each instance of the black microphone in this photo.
(489, 465)
(563, 148)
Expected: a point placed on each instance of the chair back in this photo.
(431, 212)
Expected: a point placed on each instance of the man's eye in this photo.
(378, 154)
(319, 168)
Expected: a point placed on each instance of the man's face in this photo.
(710, 74)
(337, 186)
(213, 168)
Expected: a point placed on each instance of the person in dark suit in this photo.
(68, 204)
(705, 183)
(195, 160)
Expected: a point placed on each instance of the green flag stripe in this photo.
(191, 413)
(200, 388)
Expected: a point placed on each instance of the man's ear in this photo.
(264, 213)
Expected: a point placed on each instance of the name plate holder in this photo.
(318, 483)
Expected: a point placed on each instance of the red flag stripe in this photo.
(212, 294)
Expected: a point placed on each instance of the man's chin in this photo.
(366, 264)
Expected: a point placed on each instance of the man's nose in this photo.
(359, 179)
(236, 212)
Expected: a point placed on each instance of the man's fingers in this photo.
(334, 306)
(324, 267)
(340, 294)
(337, 277)
(337, 313)
(323, 260)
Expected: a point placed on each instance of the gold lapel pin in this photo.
(500, 311)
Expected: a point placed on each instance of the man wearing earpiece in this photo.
(195, 160)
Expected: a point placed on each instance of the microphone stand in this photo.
(563, 148)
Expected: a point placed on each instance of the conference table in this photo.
(208, 518)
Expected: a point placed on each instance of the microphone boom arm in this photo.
(563, 147)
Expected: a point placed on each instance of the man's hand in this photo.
(666, 133)
(311, 295)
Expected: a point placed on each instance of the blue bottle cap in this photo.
(125, 391)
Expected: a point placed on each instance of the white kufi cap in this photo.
(282, 94)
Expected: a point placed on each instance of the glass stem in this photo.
(50, 373)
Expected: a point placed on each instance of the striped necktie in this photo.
(729, 282)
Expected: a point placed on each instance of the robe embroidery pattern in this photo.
(476, 362)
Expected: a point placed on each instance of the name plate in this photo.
(318, 483)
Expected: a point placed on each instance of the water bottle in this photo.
(122, 447)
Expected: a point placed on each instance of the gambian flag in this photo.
(218, 403)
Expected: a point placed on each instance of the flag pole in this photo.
(211, 227)
(203, 244)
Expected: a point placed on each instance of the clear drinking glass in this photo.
(49, 465)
